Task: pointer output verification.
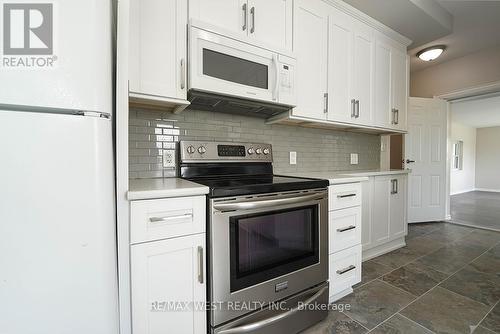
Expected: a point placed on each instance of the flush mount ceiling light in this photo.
(431, 53)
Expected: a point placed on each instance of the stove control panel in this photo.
(201, 151)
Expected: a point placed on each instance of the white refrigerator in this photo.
(58, 257)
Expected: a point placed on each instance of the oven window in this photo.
(271, 244)
(234, 69)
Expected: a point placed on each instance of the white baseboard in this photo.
(373, 252)
(488, 190)
(462, 191)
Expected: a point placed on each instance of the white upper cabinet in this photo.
(158, 49)
(230, 15)
(270, 22)
(382, 98)
(363, 73)
(399, 89)
(266, 22)
(391, 89)
(340, 65)
(310, 44)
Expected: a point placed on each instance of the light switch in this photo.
(293, 158)
(354, 158)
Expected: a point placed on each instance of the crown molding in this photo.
(348, 9)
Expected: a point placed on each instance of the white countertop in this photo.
(340, 177)
(163, 188)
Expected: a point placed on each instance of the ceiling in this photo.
(464, 26)
(476, 26)
(480, 113)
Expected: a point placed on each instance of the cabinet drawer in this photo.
(344, 196)
(166, 218)
(344, 269)
(344, 229)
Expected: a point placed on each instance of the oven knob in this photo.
(266, 151)
(202, 149)
(251, 151)
(190, 149)
(258, 151)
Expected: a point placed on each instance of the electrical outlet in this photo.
(168, 158)
(293, 158)
(354, 159)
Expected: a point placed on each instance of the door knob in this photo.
(408, 161)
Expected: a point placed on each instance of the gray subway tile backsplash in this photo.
(152, 132)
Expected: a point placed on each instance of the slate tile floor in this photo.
(477, 208)
(446, 280)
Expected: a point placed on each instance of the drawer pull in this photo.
(348, 228)
(343, 271)
(167, 219)
(345, 196)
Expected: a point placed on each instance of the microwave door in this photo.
(228, 67)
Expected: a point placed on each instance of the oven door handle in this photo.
(265, 203)
(265, 322)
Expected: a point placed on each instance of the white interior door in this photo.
(426, 146)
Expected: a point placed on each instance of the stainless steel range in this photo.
(267, 237)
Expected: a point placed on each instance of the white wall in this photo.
(464, 180)
(488, 159)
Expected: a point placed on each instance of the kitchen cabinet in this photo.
(384, 223)
(254, 21)
(391, 90)
(163, 273)
(167, 265)
(344, 238)
(311, 41)
(157, 51)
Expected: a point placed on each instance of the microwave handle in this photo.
(276, 77)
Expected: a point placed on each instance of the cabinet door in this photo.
(399, 87)
(382, 86)
(397, 226)
(164, 272)
(230, 15)
(270, 22)
(363, 73)
(380, 214)
(310, 44)
(158, 34)
(340, 67)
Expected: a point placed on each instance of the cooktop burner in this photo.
(234, 169)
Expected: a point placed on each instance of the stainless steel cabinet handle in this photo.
(393, 116)
(253, 327)
(396, 118)
(170, 218)
(245, 17)
(343, 271)
(200, 264)
(344, 196)
(394, 184)
(183, 73)
(353, 108)
(344, 229)
(357, 109)
(325, 96)
(249, 205)
(252, 12)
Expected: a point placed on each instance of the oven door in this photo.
(229, 67)
(265, 248)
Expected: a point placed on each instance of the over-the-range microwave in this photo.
(229, 75)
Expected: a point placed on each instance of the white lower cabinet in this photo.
(166, 275)
(344, 238)
(168, 266)
(384, 224)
